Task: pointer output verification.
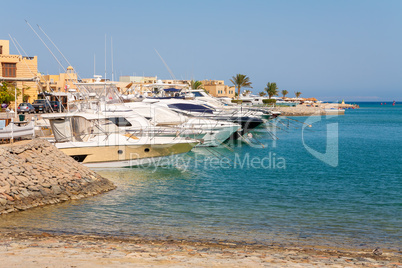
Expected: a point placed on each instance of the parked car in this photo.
(41, 105)
(25, 107)
(56, 106)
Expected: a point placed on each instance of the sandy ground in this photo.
(46, 250)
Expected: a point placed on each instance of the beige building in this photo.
(217, 88)
(138, 79)
(21, 71)
(60, 82)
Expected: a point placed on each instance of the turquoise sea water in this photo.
(249, 193)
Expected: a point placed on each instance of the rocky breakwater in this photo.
(304, 110)
(36, 173)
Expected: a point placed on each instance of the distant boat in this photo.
(12, 130)
(333, 111)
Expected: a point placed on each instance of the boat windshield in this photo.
(197, 94)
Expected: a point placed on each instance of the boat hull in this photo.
(216, 138)
(247, 124)
(125, 155)
(12, 131)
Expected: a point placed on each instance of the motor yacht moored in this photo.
(95, 141)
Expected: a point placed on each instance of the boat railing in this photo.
(157, 132)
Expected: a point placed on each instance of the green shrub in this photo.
(269, 101)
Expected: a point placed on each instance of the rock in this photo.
(28, 167)
(4, 174)
(15, 169)
(8, 197)
(24, 192)
(37, 173)
(377, 251)
(46, 185)
(33, 188)
(5, 189)
(56, 189)
(24, 180)
(3, 201)
(46, 192)
(6, 164)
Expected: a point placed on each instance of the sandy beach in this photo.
(19, 249)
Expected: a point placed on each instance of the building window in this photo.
(1, 50)
(9, 69)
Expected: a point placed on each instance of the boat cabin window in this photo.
(189, 107)
(120, 121)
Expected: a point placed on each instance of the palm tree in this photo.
(239, 81)
(25, 97)
(262, 94)
(7, 92)
(284, 92)
(196, 84)
(298, 94)
(271, 89)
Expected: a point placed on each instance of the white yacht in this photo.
(209, 132)
(95, 141)
(247, 119)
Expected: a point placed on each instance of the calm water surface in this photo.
(278, 192)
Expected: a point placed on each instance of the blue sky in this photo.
(333, 50)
